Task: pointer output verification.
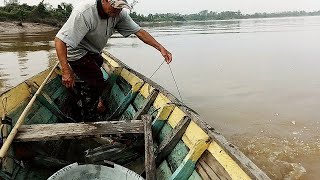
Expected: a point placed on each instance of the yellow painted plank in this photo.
(165, 112)
(175, 117)
(110, 60)
(132, 79)
(197, 150)
(146, 90)
(194, 134)
(227, 162)
(161, 101)
(21, 92)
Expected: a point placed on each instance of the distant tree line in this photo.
(45, 13)
(41, 13)
(210, 15)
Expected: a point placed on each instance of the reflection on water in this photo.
(256, 81)
(23, 55)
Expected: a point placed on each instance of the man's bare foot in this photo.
(101, 108)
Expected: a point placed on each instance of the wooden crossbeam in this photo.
(47, 132)
(146, 106)
(150, 165)
(168, 144)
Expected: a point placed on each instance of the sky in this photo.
(195, 6)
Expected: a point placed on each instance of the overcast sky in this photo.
(194, 6)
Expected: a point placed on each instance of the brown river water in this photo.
(256, 81)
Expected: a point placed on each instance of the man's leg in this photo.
(88, 69)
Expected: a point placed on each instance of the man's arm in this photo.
(68, 78)
(148, 39)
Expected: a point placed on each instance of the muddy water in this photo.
(256, 81)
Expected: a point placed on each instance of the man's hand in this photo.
(166, 54)
(148, 39)
(68, 78)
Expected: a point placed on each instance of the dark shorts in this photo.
(88, 69)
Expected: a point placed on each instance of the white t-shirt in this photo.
(85, 31)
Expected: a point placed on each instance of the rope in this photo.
(157, 69)
(175, 82)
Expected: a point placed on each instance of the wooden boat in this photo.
(177, 143)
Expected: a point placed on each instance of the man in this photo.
(81, 39)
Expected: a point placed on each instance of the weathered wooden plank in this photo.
(212, 166)
(45, 132)
(147, 104)
(166, 146)
(150, 164)
(49, 162)
(104, 152)
(205, 171)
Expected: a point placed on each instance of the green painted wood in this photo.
(15, 114)
(52, 86)
(104, 73)
(53, 119)
(139, 101)
(165, 131)
(46, 101)
(184, 171)
(123, 106)
(111, 82)
(116, 97)
(124, 85)
(146, 105)
(42, 116)
(163, 171)
(172, 140)
(61, 90)
(195, 176)
(129, 113)
(153, 112)
(177, 155)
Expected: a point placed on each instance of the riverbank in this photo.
(18, 27)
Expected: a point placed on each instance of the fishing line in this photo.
(175, 82)
(156, 70)
(174, 79)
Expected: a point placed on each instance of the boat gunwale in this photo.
(39, 76)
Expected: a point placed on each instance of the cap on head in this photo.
(119, 4)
